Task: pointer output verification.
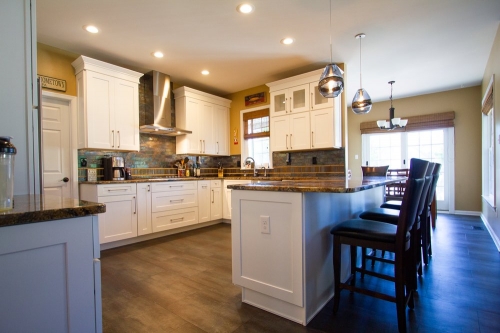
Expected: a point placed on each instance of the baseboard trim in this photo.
(466, 212)
(495, 238)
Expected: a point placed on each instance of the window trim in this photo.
(243, 151)
(488, 130)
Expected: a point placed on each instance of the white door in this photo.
(322, 128)
(279, 133)
(300, 135)
(56, 125)
(204, 201)
(216, 203)
(126, 115)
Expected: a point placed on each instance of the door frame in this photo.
(73, 148)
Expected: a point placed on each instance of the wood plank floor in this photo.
(182, 283)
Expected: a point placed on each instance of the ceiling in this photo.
(424, 45)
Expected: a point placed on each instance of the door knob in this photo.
(65, 179)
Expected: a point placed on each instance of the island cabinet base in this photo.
(283, 250)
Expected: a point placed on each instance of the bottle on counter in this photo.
(198, 171)
(7, 155)
(220, 171)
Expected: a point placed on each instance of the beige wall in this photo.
(56, 63)
(493, 68)
(238, 104)
(466, 104)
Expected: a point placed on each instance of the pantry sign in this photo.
(52, 83)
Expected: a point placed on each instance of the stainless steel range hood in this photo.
(158, 106)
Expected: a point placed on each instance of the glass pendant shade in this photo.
(331, 82)
(362, 102)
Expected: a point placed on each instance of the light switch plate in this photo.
(265, 227)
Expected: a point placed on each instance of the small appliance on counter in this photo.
(114, 168)
(7, 154)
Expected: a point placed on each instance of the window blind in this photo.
(256, 124)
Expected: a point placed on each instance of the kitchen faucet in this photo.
(251, 161)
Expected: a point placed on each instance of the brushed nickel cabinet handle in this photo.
(312, 139)
(286, 141)
(119, 139)
(113, 136)
(290, 141)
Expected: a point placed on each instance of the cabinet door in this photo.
(144, 209)
(280, 133)
(216, 203)
(322, 128)
(206, 126)
(299, 98)
(100, 121)
(126, 115)
(300, 137)
(279, 103)
(204, 200)
(120, 220)
(317, 100)
(221, 130)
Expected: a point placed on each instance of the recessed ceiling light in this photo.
(287, 41)
(205, 72)
(91, 29)
(157, 54)
(245, 8)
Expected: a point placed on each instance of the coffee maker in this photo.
(114, 168)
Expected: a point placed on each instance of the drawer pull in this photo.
(117, 190)
(176, 186)
(177, 220)
(177, 200)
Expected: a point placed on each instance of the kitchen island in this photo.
(49, 259)
(282, 248)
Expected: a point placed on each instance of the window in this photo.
(255, 124)
(397, 148)
(488, 146)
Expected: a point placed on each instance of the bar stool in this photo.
(382, 236)
(389, 215)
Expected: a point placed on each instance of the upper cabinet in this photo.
(301, 118)
(108, 105)
(207, 116)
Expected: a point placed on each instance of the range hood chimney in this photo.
(158, 105)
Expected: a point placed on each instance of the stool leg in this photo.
(363, 262)
(354, 255)
(400, 292)
(336, 272)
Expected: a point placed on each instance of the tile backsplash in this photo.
(157, 157)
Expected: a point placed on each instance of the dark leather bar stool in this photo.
(375, 170)
(388, 215)
(382, 236)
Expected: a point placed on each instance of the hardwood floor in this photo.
(182, 283)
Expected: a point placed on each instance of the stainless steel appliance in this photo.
(118, 168)
(159, 106)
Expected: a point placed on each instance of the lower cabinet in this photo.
(215, 200)
(226, 197)
(204, 200)
(120, 220)
(174, 205)
(144, 225)
(50, 277)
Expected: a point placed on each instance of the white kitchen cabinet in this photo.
(226, 196)
(207, 116)
(120, 220)
(144, 225)
(174, 205)
(290, 100)
(204, 200)
(318, 101)
(216, 200)
(291, 129)
(322, 122)
(290, 132)
(108, 105)
(50, 280)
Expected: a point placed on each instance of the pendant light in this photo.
(331, 82)
(393, 122)
(362, 102)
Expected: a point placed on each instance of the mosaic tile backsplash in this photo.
(157, 158)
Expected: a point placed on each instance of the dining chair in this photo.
(382, 236)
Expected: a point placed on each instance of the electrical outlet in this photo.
(265, 227)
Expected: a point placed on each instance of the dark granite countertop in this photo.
(330, 185)
(40, 208)
(169, 179)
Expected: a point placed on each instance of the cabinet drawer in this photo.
(163, 201)
(174, 219)
(115, 189)
(174, 186)
(215, 183)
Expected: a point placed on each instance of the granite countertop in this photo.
(330, 185)
(170, 179)
(40, 208)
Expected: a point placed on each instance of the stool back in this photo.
(374, 170)
(410, 203)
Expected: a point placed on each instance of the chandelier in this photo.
(393, 122)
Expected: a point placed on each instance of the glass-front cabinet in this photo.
(295, 99)
(318, 101)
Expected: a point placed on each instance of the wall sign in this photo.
(52, 83)
(255, 99)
